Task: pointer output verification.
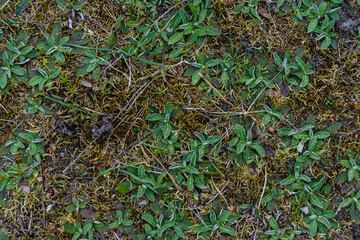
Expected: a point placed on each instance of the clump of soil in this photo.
(105, 127)
(347, 25)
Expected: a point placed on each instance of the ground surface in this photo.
(109, 130)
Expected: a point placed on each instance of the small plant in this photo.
(12, 174)
(204, 144)
(147, 183)
(75, 206)
(33, 106)
(86, 230)
(354, 202)
(243, 146)
(329, 101)
(28, 144)
(9, 71)
(56, 47)
(271, 115)
(352, 170)
(256, 77)
(170, 144)
(278, 233)
(121, 220)
(92, 64)
(270, 198)
(249, 6)
(320, 221)
(164, 121)
(188, 169)
(45, 77)
(212, 223)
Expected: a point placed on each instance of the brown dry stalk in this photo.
(170, 176)
(217, 91)
(166, 25)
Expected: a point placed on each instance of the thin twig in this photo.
(217, 91)
(4, 5)
(264, 187)
(166, 13)
(170, 176)
(219, 192)
(262, 91)
(166, 25)
(65, 170)
(348, 134)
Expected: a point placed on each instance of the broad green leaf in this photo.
(288, 180)
(36, 80)
(312, 25)
(227, 230)
(3, 80)
(274, 225)
(223, 216)
(54, 73)
(210, 31)
(201, 228)
(277, 59)
(167, 130)
(175, 38)
(258, 148)
(313, 227)
(196, 77)
(150, 219)
(314, 200)
(17, 70)
(155, 117)
(240, 131)
(326, 43)
(175, 53)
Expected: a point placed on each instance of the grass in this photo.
(179, 119)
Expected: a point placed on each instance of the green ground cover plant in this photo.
(194, 119)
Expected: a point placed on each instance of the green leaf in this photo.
(70, 208)
(60, 57)
(179, 231)
(175, 38)
(314, 200)
(201, 228)
(175, 53)
(240, 131)
(123, 187)
(213, 216)
(280, 3)
(227, 230)
(266, 119)
(3, 80)
(3, 236)
(196, 77)
(210, 31)
(32, 147)
(258, 148)
(312, 25)
(36, 80)
(288, 180)
(197, 2)
(313, 227)
(223, 216)
(155, 117)
(17, 70)
(61, 3)
(326, 43)
(277, 59)
(54, 73)
(167, 130)
(274, 225)
(150, 219)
